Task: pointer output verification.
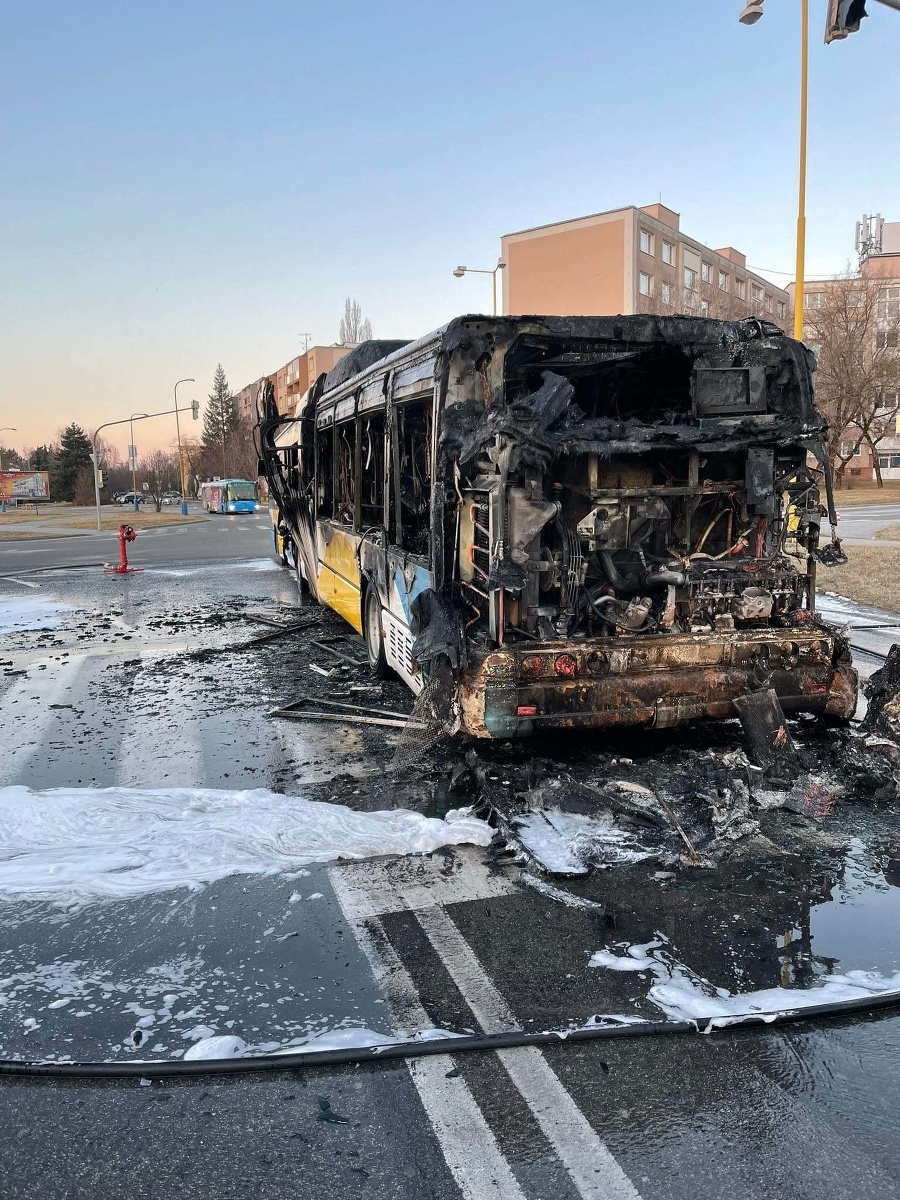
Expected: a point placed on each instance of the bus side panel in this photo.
(338, 582)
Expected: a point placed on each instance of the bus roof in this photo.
(639, 327)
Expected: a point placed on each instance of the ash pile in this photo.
(700, 797)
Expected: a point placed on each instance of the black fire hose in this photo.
(481, 1042)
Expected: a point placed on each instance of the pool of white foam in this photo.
(75, 846)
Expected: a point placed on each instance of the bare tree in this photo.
(856, 336)
(159, 471)
(354, 327)
(243, 450)
(194, 454)
(707, 298)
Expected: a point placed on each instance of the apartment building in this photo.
(879, 260)
(245, 401)
(290, 381)
(631, 260)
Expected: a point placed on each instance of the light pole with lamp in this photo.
(749, 16)
(6, 429)
(132, 454)
(460, 271)
(184, 506)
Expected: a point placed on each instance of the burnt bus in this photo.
(578, 522)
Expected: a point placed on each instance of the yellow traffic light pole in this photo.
(838, 27)
(801, 196)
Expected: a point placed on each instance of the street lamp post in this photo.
(184, 507)
(6, 429)
(133, 456)
(460, 271)
(749, 16)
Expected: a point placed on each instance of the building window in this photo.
(705, 272)
(740, 287)
(883, 462)
(665, 292)
(782, 309)
(887, 339)
(646, 241)
(768, 304)
(895, 461)
(645, 284)
(756, 293)
(704, 308)
(813, 299)
(889, 304)
(668, 253)
(690, 279)
(723, 281)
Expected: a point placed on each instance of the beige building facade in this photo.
(631, 260)
(290, 381)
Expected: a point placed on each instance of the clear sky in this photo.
(204, 181)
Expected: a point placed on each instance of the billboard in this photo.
(24, 485)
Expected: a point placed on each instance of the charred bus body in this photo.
(581, 522)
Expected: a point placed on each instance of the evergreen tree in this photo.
(11, 459)
(220, 419)
(72, 457)
(41, 458)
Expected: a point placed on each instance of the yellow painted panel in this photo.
(344, 599)
(339, 585)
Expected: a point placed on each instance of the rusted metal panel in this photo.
(661, 682)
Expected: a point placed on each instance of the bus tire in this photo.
(374, 635)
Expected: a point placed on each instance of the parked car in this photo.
(171, 498)
(128, 498)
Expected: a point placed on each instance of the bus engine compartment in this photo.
(636, 522)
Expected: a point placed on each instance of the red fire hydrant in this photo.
(126, 535)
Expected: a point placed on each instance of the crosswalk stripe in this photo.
(156, 752)
(469, 1147)
(590, 1164)
(25, 711)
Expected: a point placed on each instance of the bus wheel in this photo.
(374, 636)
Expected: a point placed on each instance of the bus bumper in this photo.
(657, 680)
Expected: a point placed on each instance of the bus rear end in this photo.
(635, 522)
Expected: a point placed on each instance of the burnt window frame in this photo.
(324, 450)
(361, 521)
(398, 408)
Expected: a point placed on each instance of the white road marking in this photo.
(385, 886)
(160, 751)
(25, 712)
(591, 1166)
(23, 582)
(465, 1138)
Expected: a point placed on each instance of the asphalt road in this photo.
(448, 940)
(216, 537)
(864, 522)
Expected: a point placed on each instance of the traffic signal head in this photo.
(844, 17)
(195, 409)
